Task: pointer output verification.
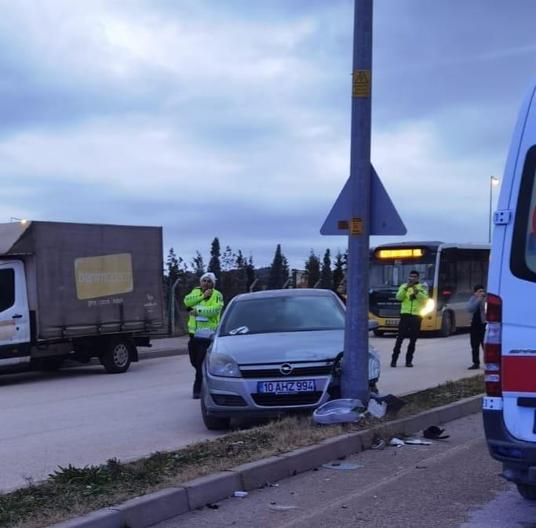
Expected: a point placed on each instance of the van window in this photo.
(523, 256)
(7, 289)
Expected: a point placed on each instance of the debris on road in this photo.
(416, 441)
(240, 494)
(378, 443)
(376, 408)
(282, 507)
(435, 433)
(396, 442)
(342, 465)
(339, 411)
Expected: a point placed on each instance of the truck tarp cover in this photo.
(93, 278)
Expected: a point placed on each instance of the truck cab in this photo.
(14, 314)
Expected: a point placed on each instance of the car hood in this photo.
(281, 347)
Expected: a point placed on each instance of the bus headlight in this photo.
(428, 307)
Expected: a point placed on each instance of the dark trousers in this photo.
(197, 350)
(477, 340)
(409, 326)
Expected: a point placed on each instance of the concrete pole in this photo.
(355, 366)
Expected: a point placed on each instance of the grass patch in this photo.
(72, 491)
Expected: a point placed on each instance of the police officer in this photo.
(413, 296)
(205, 305)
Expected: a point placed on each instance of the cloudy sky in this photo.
(231, 118)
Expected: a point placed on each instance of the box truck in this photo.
(78, 291)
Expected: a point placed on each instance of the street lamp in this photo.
(493, 182)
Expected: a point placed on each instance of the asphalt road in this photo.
(451, 483)
(83, 416)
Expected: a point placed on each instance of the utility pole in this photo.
(363, 208)
(355, 367)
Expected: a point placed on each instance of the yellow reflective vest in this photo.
(208, 310)
(413, 298)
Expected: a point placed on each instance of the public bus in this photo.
(449, 271)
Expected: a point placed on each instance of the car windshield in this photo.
(283, 314)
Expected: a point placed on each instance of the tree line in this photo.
(237, 274)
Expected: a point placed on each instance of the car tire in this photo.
(213, 423)
(378, 333)
(446, 325)
(527, 491)
(117, 356)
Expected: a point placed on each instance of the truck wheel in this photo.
(116, 358)
(527, 491)
(446, 325)
(213, 423)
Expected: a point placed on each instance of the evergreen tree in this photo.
(250, 273)
(326, 275)
(198, 264)
(214, 264)
(338, 271)
(172, 265)
(312, 266)
(278, 270)
(228, 259)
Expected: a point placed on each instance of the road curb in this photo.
(153, 508)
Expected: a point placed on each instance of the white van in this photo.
(509, 407)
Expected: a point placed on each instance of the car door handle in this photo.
(17, 316)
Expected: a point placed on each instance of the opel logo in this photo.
(285, 369)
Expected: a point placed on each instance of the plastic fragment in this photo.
(240, 494)
(339, 411)
(342, 465)
(396, 442)
(416, 441)
(376, 408)
(378, 444)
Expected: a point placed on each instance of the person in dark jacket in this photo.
(478, 323)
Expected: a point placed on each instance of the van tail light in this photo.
(493, 346)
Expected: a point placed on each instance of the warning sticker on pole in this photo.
(361, 83)
(356, 226)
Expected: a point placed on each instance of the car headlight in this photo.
(428, 307)
(222, 365)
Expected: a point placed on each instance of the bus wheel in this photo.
(378, 333)
(446, 325)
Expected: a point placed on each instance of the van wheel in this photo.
(446, 325)
(117, 356)
(213, 423)
(527, 491)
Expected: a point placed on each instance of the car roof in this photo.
(294, 292)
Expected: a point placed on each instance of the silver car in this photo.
(274, 351)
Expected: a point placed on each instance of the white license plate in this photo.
(286, 386)
(391, 322)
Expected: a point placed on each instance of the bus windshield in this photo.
(394, 273)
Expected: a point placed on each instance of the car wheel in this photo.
(378, 333)
(446, 325)
(213, 423)
(116, 358)
(527, 491)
